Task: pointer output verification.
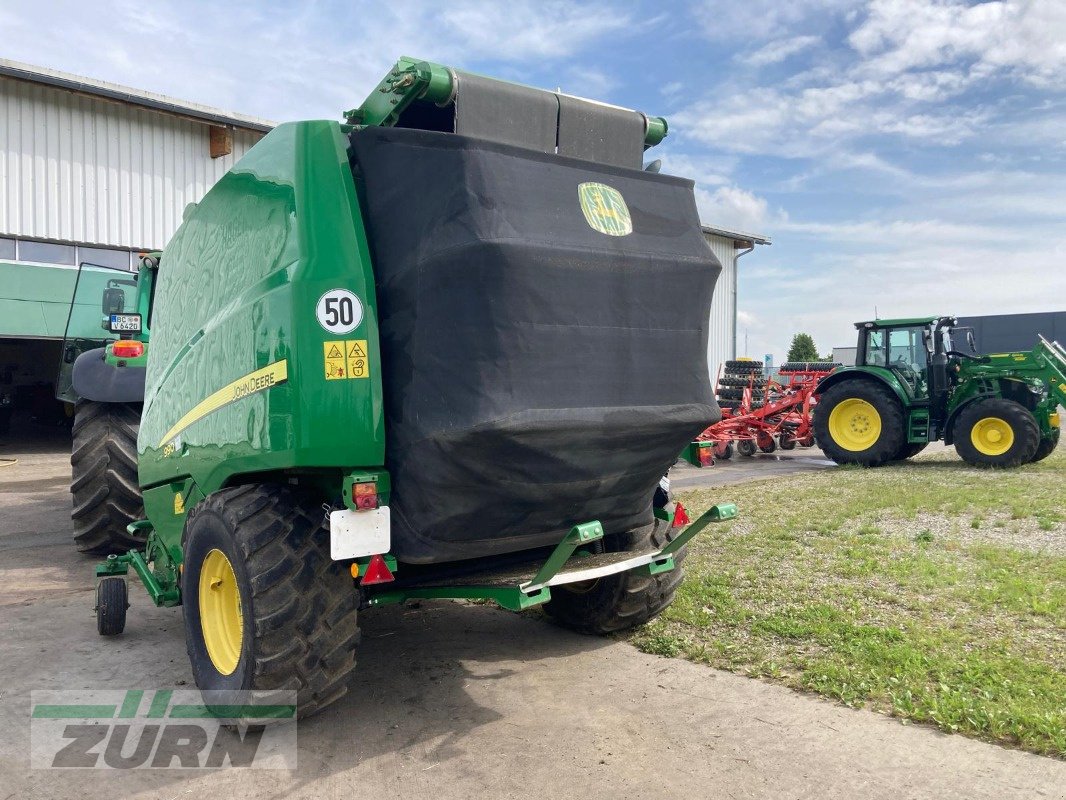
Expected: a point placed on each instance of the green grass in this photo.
(929, 590)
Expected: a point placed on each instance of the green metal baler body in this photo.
(292, 231)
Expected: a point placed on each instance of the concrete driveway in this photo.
(460, 701)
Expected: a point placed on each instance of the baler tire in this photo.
(104, 488)
(892, 428)
(1046, 447)
(300, 607)
(623, 600)
(112, 600)
(1025, 433)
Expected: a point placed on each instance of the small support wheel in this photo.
(787, 440)
(112, 600)
(746, 447)
(766, 442)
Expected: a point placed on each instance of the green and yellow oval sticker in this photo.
(605, 209)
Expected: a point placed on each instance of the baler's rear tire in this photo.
(1047, 446)
(996, 433)
(625, 600)
(860, 422)
(103, 484)
(265, 608)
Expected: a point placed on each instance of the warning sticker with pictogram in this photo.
(358, 363)
(336, 366)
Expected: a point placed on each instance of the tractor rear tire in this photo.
(104, 486)
(1047, 446)
(996, 433)
(285, 615)
(624, 600)
(910, 450)
(860, 422)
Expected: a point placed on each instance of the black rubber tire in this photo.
(730, 404)
(910, 450)
(746, 447)
(300, 607)
(1018, 417)
(743, 365)
(769, 447)
(786, 441)
(112, 600)
(103, 463)
(733, 393)
(1047, 446)
(626, 599)
(735, 381)
(892, 436)
(727, 452)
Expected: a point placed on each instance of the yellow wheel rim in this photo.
(992, 436)
(855, 425)
(221, 622)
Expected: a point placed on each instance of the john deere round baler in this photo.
(447, 349)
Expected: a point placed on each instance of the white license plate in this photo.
(354, 534)
(125, 323)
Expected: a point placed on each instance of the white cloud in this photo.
(779, 50)
(732, 207)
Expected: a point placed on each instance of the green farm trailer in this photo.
(920, 380)
(446, 349)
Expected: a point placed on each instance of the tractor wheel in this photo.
(104, 485)
(910, 450)
(859, 422)
(265, 607)
(626, 599)
(1047, 446)
(746, 447)
(996, 433)
(112, 600)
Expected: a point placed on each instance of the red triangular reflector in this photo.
(680, 517)
(377, 571)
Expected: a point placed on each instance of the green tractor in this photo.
(447, 349)
(920, 380)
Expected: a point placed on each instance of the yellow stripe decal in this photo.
(258, 381)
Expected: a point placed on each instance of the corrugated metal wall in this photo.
(79, 169)
(721, 342)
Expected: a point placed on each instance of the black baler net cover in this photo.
(537, 372)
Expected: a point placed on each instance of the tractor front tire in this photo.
(910, 450)
(860, 422)
(624, 600)
(265, 607)
(103, 463)
(996, 433)
(1047, 446)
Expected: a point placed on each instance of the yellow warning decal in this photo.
(179, 504)
(358, 363)
(333, 353)
(252, 383)
(345, 359)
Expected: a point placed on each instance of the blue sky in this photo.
(906, 155)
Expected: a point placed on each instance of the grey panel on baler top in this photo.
(537, 372)
(507, 113)
(535, 119)
(600, 133)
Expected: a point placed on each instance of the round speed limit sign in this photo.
(339, 311)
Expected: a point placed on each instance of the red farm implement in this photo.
(761, 413)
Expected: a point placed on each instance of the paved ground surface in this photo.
(463, 701)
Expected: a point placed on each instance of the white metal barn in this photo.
(729, 246)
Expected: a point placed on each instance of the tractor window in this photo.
(875, 348)
(907, 356)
